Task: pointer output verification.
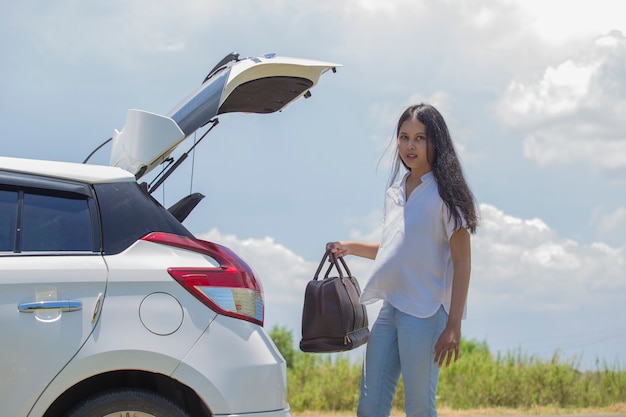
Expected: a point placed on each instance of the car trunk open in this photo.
(251, 85)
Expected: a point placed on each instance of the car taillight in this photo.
(230, 289)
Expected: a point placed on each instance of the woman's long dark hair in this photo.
(445, 164)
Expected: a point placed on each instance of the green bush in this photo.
(478, 380)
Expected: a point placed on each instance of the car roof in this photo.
(92, 174)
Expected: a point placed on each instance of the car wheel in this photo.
(127, 402)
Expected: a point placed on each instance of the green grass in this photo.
(478, 381)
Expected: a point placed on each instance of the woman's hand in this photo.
(338, 248)
(447, 346)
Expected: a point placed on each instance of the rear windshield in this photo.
(128, 213)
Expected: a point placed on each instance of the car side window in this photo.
(8, 218)
(55, 223)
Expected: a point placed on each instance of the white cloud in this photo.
(373, 6)
(610, 226)
(560, 92)
(535, 291)
(613, 221)
(558, 21)
(575, 112)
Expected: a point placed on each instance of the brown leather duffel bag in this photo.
(333, 319)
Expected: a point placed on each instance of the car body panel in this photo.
(120, 340)
(251, 368)
(37, 345)
(205, 348)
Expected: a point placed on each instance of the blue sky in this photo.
(534, 93)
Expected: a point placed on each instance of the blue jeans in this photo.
(401, 343)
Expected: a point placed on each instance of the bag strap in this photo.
(319, 268)
(333, 263)
(345, 265)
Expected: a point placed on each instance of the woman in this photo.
(421, 268)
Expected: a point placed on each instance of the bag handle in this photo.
(332, 257)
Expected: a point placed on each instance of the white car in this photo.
(109, 306)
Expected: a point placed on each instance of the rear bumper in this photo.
(236, 369)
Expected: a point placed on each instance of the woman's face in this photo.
(412, 146)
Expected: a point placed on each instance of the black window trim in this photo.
(18, 180)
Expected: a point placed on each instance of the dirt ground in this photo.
(614, 410)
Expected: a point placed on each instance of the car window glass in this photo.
(55, 223)
(8, 216)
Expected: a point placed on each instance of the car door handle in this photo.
(65, 306)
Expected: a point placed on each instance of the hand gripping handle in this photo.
(332, 258)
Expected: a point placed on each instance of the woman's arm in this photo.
(448, 343)
(364, 250)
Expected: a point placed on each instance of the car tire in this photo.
(124, 402)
